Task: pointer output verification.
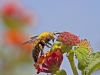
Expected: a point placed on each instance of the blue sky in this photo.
(81, 17)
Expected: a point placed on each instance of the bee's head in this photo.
(52, 35)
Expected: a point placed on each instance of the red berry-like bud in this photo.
(68, 39)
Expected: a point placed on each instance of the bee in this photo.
(39, 42)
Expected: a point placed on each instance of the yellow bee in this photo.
(39, 42)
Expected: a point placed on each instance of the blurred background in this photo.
(22, 19)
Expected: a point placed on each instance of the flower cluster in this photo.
(85, 43)
(49, 62)
(15, 15)
(68, 39)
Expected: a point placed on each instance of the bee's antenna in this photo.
(56, 32)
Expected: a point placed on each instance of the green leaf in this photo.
(65, 48)
(94, 63)
(82, 55)
(61, 72)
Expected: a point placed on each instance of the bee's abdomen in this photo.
(36, 51)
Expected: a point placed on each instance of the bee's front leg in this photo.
(48, 46)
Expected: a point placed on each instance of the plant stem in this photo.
(71, 61)
(82, 72)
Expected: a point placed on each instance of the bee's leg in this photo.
(53, 40)
(57, 33)
(42, 52)
(46, 44)
(41, 49)
(49, 44)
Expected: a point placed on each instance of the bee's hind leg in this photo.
(41, 49)
(42, 52)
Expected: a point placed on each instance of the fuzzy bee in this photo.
(39, 42)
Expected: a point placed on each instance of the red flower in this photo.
(68, 38)
(50, 62)
(14, 14)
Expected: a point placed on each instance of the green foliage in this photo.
(82, 55)
(12, 23)
(61, 72)
(94, 63)
(64, 48)
(56, 45)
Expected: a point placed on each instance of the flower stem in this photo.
(71, 61)
(82, 72)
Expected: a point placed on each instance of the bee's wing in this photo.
(31, 41)
(28, 42)
(34, 37)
